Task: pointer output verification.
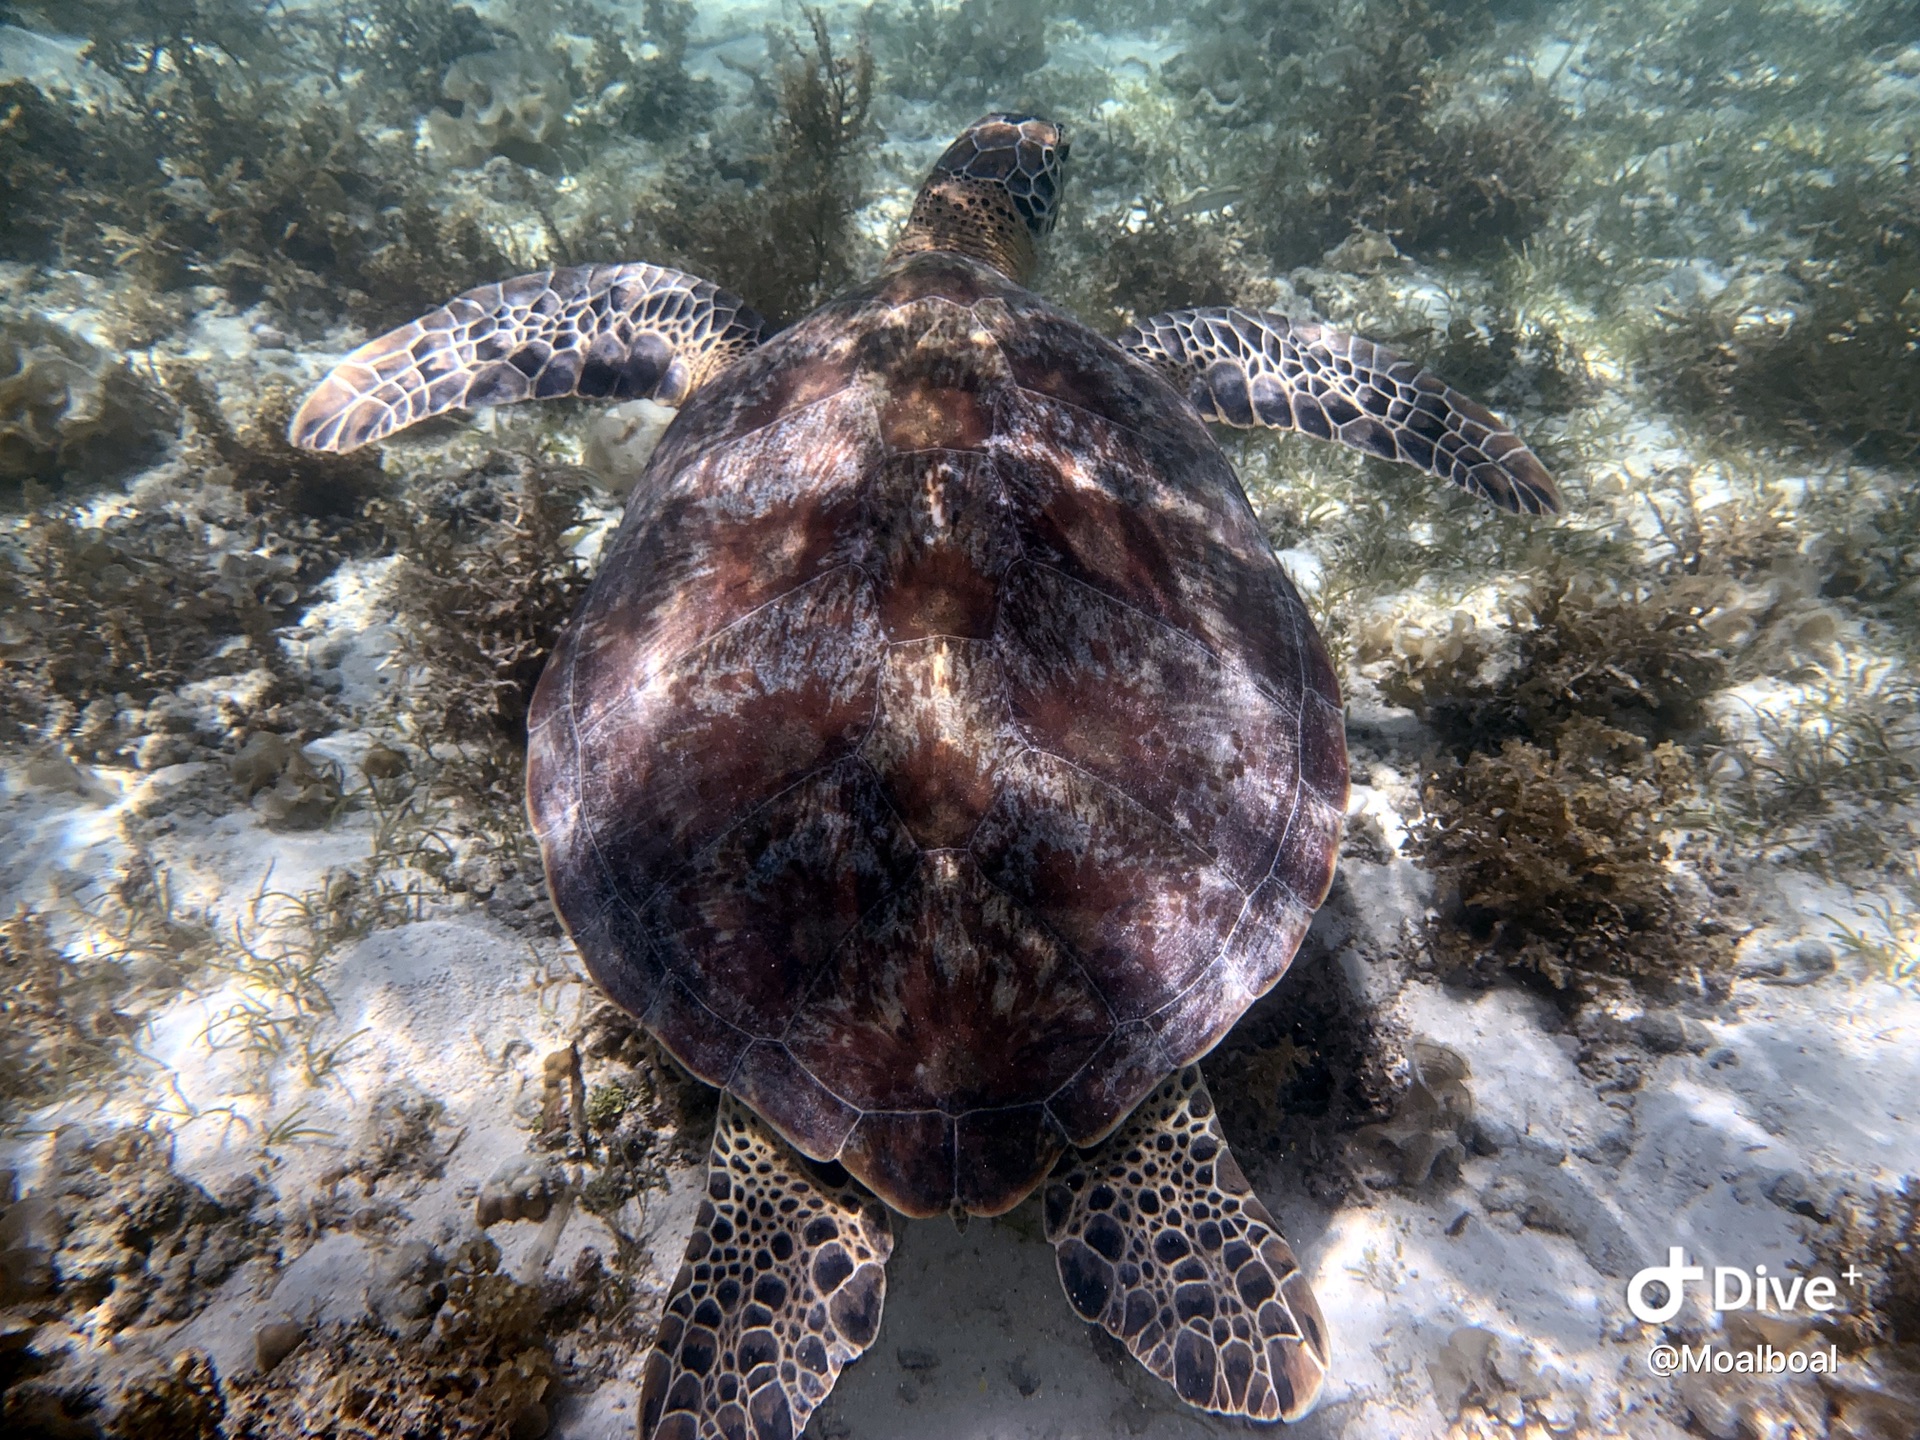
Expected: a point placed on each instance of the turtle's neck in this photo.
(968, 217)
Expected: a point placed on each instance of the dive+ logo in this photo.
(1733, 1289)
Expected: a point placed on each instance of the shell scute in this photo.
(939, 550)
(1048, 354)
(780, 694)
(949, 1000)
(768, 1078)
(814, 361)
(994, 1152)
(758, 912)
(1100, 1094)
(1109, 879)
(905, 1153)
(1162, 527)
(941, 737)
(704, 1043)
(1270, 930)
(735, 530)
(942, 757)
(1147, 708)
(935, 373)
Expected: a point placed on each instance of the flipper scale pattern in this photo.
(616, 332)
(782, 1288)
(1163, 1244)
(1253, 368)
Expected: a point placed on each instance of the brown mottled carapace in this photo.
(942, 757)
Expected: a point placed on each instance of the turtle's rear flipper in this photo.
(1162, 1242)
(617, 332)
(1251, 368)
(782, 1287)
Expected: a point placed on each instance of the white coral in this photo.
(67, 406)
(511, 102)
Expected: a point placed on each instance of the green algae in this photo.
(1398, 154)
(131, 608)
(1640, 660)
(58, 1021)
(970, 53)
(408, 45)
(652, 95)
(1877, 1228)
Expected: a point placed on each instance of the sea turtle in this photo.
(940, 763)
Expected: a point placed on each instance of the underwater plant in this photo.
(771, 214)
(1821, 349)
(1880, 1231)
(1310, 1065)
(1397, 157)
(58, 1016)
(41, 151)
(137, 1243)
(644, 1112)
(218, 151)
(1553, 862)
(1751, 167)
(1119, 268)
(1510, 355)
(1875, 561)
(970, 53)
(1637, 657)
(410, 44)
(465, 1352)
(1392, 139)
(1886, 946)
(1243, 65)
(131, 608)
(106, 622)
(1823, 781)
(641, 79)
(489, 577)
(150, 166)
(318, 509)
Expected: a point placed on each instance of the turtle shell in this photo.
(941, 756)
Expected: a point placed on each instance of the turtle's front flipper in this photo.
(1251, 368)
(782, 1287)
(1162, 1242)
(616, 332)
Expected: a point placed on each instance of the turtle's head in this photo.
(992, 195)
